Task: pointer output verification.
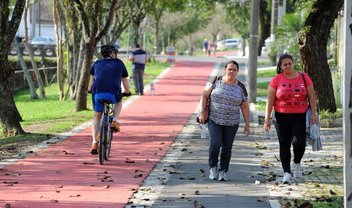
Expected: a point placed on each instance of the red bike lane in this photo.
(66, 175)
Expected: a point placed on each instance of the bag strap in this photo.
(243, 88)
(304, 80)
(240, 84)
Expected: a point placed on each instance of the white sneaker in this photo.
(222, 176)
(296, 170)
(287, 178)
(214, 173)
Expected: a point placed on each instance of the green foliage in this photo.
(266, 73)
(325, 114)
(47, 62)
(262, 89)
(238, 15)
(286, 32)
(321, 202)
(260, 105)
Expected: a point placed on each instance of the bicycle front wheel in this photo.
(102, 143)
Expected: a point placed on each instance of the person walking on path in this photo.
(105, 84)
(227, 97)
(206, 47)
(139, 60)
(288, 92)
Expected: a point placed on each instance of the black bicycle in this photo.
(106, 133)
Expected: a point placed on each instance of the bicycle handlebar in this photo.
(125, 94)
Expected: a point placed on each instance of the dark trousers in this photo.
(291, 129)
(138, 80)
(220, 142)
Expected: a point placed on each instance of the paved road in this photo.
(65, 175)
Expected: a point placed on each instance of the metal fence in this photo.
(48, 74)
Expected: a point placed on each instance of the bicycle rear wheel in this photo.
(102, 143)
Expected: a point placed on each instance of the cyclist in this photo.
(105, 84)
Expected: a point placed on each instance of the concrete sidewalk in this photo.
(181, 178)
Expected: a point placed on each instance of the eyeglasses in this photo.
(232, 69)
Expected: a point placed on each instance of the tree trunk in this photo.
(82, 91)
(313, 40)
(264, 19)
(80, 56)
(25, 71)
(243, 45)
(9, 115)
(91, 36)
(59, 24)
(31, 55)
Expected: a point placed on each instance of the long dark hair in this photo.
(232, 62)
(283, 56)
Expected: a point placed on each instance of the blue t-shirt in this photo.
(139, 57)
(107, 75)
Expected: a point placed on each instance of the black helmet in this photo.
(107, 49)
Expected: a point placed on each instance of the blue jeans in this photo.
(221, 138)
(138, 81)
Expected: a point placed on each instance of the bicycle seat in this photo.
(105, 101)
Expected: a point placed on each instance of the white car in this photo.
(228, 43)
(43, 40)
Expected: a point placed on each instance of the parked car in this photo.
(43, 40)
(228, 43)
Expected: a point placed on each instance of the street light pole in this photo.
(253, 53)
(347, 114)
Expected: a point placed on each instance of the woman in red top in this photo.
(288, 93)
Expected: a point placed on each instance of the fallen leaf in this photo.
(129, 161)
(332, 192)
(197, 204)
(137, 175)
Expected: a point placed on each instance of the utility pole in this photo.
(253, 52)
(347, 114)
(274, 14)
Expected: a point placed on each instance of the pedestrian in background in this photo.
(139, 60)
(288, 93)
(227, 97)
(206, 47)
